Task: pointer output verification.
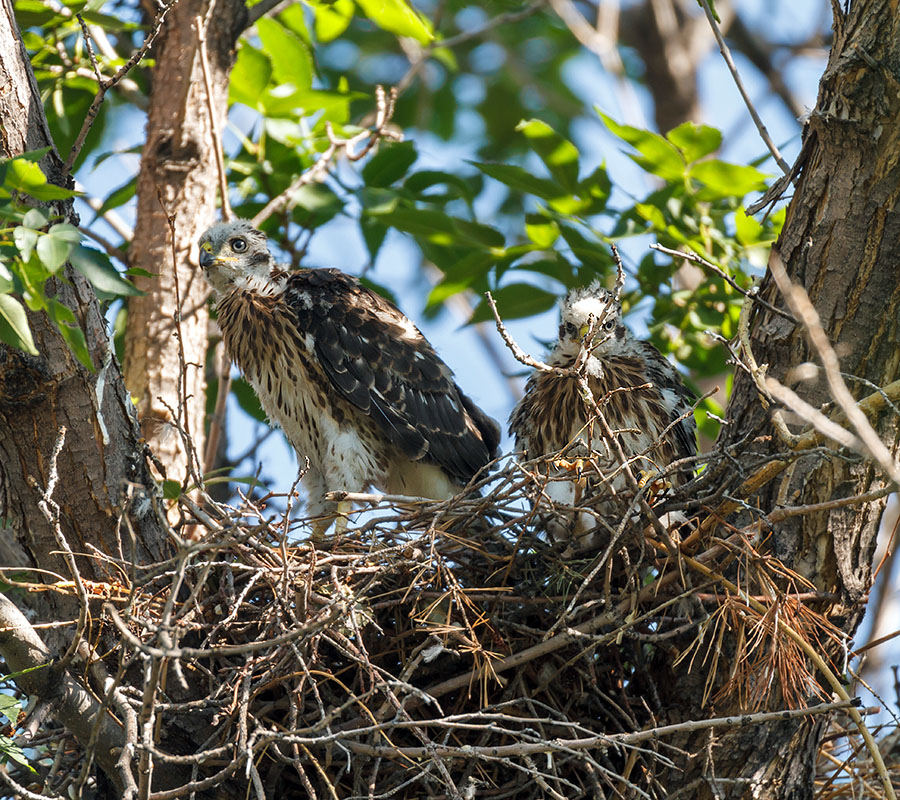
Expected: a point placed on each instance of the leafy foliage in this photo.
(10, 708)
(305, 73)
(34, 249)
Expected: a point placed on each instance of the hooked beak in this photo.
(207, 259)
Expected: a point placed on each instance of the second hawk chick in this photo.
(639, 392)
(355, 386)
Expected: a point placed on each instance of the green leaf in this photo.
(460, 276)
(24, 175)
(9, 749)
(695, 141)
(53, 247)
(294, 19)
(747, 230)
(315, 204)
(558, 153)
(373, 233)
(397, 16)
(250, 76)
(9, 707)
(480, 233)
(68, 327)
(728, 180)
(247, 399)
(171, 489)
(25, 239)
(597, 186)
(290, 57)
(515, 301)
(99, 270)
(658, 156)
(521, 180)
(118, 197)
(35, 218)
(543, 231)
(14, 328)
(389, 164)
(437, 226)
(332, 19)
(420, 182)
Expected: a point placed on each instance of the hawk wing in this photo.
(380, 362)
(677, 397)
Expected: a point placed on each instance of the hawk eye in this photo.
(609, 325)
(239, 245)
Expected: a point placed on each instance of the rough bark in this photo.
(177, 165)
(840, 242)
(101, 467)
(108, 500)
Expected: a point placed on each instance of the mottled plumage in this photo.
(355, 386)
(639, 391)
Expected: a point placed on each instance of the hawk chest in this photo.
(278, 359)
(558, 416)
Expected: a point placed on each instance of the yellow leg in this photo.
(340, 517)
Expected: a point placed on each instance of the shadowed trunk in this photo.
(104, 484)
(840, 242)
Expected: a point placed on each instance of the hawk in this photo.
(354, 385)
(641, 395)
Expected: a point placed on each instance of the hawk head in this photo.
(591, 309)
(234, 255)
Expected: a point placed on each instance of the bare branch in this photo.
(104, 85)
(28, 657)
(804, 310)
(385, 102)
(200, 23)
(729, 62)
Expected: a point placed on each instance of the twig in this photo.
(610, 740)
(804, 310)
(385, 102)
(217, 423)
(620, 273)
(796, 404)
(871, 405)
(702, 262)
(757, 372)
(180, 414)
(201, 23)
(729, 62)
(50, 509)
(104, 85)
(820, 664)
(110, 217)
(20, 791)
(779, 514)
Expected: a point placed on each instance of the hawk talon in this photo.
(575, 465)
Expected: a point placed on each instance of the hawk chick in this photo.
(639, 391)
(355, 386)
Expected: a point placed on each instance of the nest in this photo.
(442, 649)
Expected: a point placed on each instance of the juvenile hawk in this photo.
(639, 392)
(355, 386)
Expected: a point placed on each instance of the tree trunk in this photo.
(840, 242)
(107, 498)
(178, 179)
(104, 484)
